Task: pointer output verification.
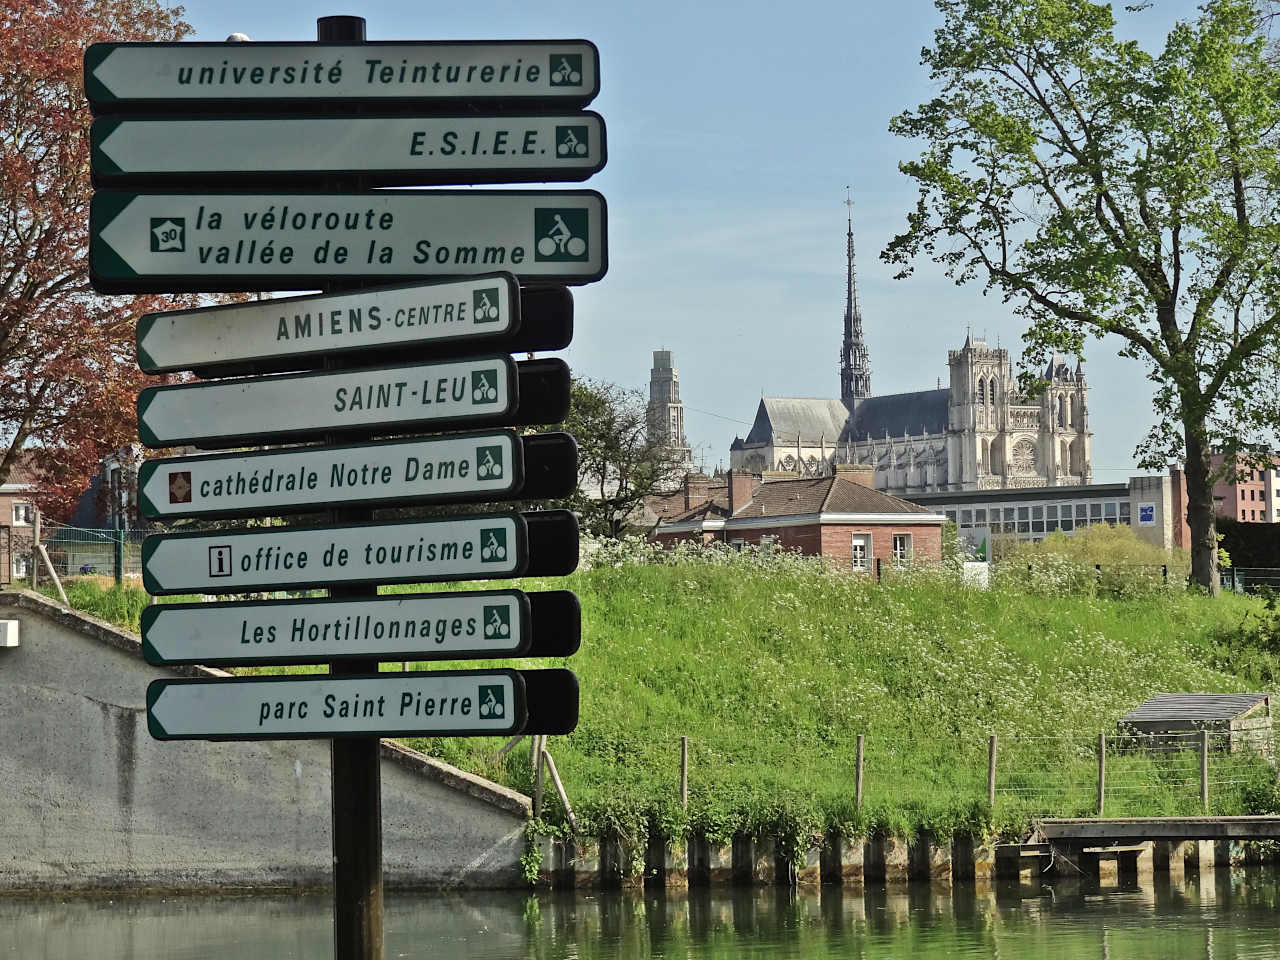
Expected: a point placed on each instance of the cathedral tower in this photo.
(855, 363)
(665, 413)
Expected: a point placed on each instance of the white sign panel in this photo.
(477, 703)
(400, 627)
(392, 149)
(261, 408)
(287, 241)
(138, 75)
(450, 467)
(1146, 514)
(485, 307)
(483, 547)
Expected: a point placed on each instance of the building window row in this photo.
(21, 514)
(1041, 518)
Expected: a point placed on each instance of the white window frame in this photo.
(27, 510)
(860, 540)
(902, 557)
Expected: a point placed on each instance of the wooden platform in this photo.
(1161, 828)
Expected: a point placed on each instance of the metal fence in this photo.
(80, 551)
(1251, 579)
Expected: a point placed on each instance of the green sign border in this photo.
(157, 687)
(512, 491)
(151, 615)
(147, 321)
(147, 396)
(326, 578)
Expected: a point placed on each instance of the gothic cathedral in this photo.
(979, 433)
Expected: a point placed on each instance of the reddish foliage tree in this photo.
(68, 375)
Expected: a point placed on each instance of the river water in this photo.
(1234, 919)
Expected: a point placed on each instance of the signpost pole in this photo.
(355, 762)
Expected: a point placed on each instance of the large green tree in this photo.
(1107, 191)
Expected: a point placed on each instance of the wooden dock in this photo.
(1120, 829)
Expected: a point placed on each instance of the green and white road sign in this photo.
(261, 409)
(478, 547)
(441, 626)
(441, 703)
(389, 318)
(382, 150)
(128, 77)
(480, 466)
(147, 242)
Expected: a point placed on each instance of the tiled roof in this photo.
(835, 494)
(23, 470)
(1193, 706)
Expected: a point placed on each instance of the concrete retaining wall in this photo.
(89, 800)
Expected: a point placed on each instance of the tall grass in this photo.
(773, 664)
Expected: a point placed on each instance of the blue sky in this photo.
(733, 130)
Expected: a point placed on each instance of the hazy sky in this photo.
(733, 129)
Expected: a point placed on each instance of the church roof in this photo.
(834, 494)
(812, 419)
(924, 411)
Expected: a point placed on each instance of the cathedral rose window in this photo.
(1023, 457)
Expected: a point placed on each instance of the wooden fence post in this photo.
(857, 779)
(684, 773)
(1102, 771)
(991, 771)
(539, 750)
(1204, 770)
(35, 547)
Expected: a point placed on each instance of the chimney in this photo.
(772, 476)
(860, 473)
(742, 487)
(695, 489)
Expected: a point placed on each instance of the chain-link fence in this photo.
(80, 551)
(1251, 579)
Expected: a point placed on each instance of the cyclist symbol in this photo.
(486, 309)
(565, 74)
(495, 626)
(492, 549)
(571, 145)
(491, 706)
(488, 467)
(560, 239)
(483, 389)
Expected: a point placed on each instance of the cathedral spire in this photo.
(855, 363)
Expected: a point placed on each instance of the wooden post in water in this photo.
(857, 777)
(991, 771)
(1204, 770)
(539, 745)
(1102, 771)
(684, 773)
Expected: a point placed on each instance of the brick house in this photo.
(839, 516)
(16, 512)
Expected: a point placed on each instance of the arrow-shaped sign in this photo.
(296, 333)
(149, 242)
(476, 466)
(448, 394)
(127, 77)
(489, 624)
(483, 547)
(383, 151)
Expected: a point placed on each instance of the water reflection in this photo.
(1228, 916)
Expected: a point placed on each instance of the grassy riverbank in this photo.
(772, 667)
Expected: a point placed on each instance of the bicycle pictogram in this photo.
(561, 234)
(571, 141)
(493, 702)
(566, 69)
(489, 464)
(497, 622)
(484, 386)
(484, 306)
(493, 545)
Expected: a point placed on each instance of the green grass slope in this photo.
(772, 666)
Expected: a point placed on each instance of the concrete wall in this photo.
(89, 800)
(1155, 492)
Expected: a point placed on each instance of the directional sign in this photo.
(297, 332)
(483, 547)
(474, 466)
(266, 408)
(148, 242)
(126, 77)
(444, 703)
(438, 626)
(385, 150)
